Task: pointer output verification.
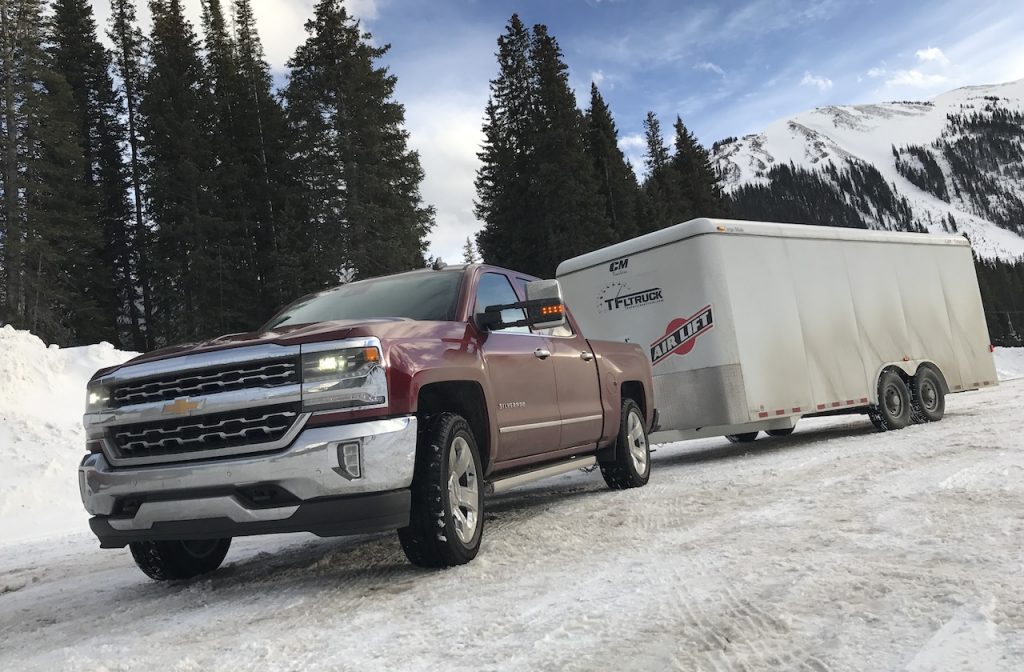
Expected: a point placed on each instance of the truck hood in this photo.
(291, 335)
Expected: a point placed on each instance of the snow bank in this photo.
(42, 396)
(1010, 363)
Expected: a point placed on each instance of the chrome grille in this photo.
(201, 382)
(202, 433)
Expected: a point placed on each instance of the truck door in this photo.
(521, 373)
(579, 392)
(576, 380)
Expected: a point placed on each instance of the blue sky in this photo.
(727, 67)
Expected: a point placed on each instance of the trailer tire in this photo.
(444, 530)
(630, 467)
(893, 410)
(927, 399)
(746, 437)
(786, 431)
(175, 560)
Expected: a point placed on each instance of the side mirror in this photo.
(548, 296)
(543, 308)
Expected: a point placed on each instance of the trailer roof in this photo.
(732, 227)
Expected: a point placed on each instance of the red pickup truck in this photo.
(390, 403)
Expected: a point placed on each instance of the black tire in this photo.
(893, 410)
(174, 560)
(434, 537)
(926, 396)
(746, 437)
(630, 466)
(780, 432)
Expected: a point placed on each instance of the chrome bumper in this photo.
(313, 468)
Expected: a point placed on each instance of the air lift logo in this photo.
(618, 296)
(681, 335)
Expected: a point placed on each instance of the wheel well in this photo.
(465, 398)
(634, 389)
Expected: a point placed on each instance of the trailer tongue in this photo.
(751, 326)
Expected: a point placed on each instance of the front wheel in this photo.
(171, 560)
(630, 466)
(447, 518)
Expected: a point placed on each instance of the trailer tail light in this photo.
(991, 347)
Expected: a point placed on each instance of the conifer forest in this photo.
(160, 187)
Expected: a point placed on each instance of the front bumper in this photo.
(313, 489)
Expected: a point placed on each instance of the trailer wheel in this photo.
(746, 437)
(927, 398)
(893, 410)
(631, 465)
(786, 431)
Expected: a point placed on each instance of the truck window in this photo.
(495, 289)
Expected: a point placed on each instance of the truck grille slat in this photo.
(197, 434)
(264, 374)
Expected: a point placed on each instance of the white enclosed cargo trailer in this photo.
(752, 325)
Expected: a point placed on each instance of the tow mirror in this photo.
(547, 295)
(543, 308)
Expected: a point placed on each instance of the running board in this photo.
(514, 481)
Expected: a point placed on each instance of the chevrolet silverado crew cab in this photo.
(390, 403)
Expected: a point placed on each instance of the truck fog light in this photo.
(350, 460)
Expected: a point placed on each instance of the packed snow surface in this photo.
(812, 139)
(837, 548)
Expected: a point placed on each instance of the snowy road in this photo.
(835, 549)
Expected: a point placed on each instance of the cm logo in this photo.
(619, 266)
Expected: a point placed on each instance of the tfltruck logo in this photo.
(618, 296)
(681, 335)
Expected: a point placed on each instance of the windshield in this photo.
(418, 296)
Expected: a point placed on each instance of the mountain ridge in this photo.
(956, 160)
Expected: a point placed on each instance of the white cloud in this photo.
(915, 79)
(708, 66)
(597, 77)
(875, 73)
(932, 55)
(823, 84)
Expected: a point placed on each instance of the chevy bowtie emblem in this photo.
(181, 406)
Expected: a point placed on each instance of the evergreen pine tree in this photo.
(175, 107)
(617, 181)
(663, 199)
(469, 254)
(508, 154)
(108, 280)
(360, 180)
(698, 183)
(128, 44)
(569, 215)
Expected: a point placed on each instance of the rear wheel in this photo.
(447, 518)
(171, 560)
(746, 437)
(631, 465)
(786, 431)
(927, 399)
(893, 410)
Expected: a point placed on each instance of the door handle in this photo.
(541, 353)
(587, 356)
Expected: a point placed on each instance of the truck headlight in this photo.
(97, 398)
(346, 378)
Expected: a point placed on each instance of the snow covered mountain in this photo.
(952, 164)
